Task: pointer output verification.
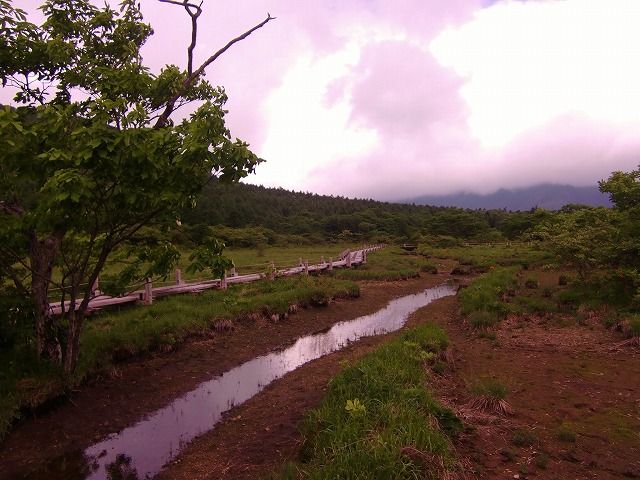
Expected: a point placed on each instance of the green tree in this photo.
(91, 155)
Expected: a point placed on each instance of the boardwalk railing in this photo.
(146, 295)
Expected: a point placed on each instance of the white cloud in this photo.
(529, 62)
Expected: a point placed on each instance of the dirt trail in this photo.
(137, 388)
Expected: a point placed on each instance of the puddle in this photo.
(141, 450)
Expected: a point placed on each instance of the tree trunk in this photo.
(73, 340)
(42, 256)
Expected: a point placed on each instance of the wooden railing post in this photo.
(223, 282)
(301, 262)
(330, 264)
(364, 256)
(272, 271)
(232, 271)
(95, 288)
(348, 258)
(179, 280)
(306, 267)
(147, 299)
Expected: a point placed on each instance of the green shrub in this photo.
(523, 438)
(565, 433)
(633, 329)
(531, 283)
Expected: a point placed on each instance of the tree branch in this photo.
(192, 77)
(194, 11)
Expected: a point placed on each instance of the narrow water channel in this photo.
(145, 447)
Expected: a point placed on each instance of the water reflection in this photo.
(141, 450)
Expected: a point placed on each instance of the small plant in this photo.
(483, 320)
(542, 461)
(223, 325)
(531, 283)
(523, 438)
(565, 433)
(355, 407)
(490, 397)
(439, 367)
(633, 329)
(563, 280)
(488, 335)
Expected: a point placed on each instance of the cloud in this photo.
(523, 93)
(395, 98)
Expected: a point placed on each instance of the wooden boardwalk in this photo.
(146, 296)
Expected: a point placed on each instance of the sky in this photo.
(393, 99)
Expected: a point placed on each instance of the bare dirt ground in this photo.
(134, 389)
(575, 396)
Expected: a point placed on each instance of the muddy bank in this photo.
(134, 389)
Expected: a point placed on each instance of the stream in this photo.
(141, 450)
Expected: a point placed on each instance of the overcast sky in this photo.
(397, 98)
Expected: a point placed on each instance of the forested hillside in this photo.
(300, 217)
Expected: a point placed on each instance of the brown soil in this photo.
(134, 389)
(574, 390)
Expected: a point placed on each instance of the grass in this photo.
(391, 263)
(483, 301)
(378, 419)
(247, 260)
(113, 336)
(489, 396)
(483, 257)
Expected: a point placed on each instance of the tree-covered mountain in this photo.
(311, 217)
(547, 196)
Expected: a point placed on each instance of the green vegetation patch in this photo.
(378, 419)
(391, 263)
(483, 257)
(483, 298)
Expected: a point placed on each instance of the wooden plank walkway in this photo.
(146, 296)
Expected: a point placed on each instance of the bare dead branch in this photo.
(194, 11)
(193, 76)
(215, 56)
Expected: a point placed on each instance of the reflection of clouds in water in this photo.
(154, 441)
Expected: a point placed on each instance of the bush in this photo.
(633, 329)
(531, 283)
(523, 438)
